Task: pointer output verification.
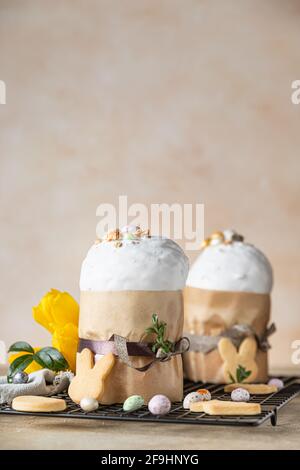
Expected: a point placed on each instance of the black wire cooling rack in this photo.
(270, 405)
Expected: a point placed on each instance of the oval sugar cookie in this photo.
(38, 404)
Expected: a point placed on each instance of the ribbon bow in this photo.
(180, 347)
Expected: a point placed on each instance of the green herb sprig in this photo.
(48, 358)
(241, 375)
(159, 329)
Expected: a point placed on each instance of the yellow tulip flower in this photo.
(58, 312)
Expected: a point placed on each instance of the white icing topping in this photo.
(146, 264)
(236, 267)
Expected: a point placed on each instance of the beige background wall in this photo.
(165, 101)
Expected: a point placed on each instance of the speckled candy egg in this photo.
(62, 375)
(20, 378)
(89, 404)
(206, 396)
(133, 403)
(277, 383)
(159, 405)
(191, 397)
(129, 229)
(240, 394)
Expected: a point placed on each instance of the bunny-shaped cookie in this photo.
(89, 378)
(232, 358)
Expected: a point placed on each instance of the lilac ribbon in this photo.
(207, 343)
(104, 347)
(122, 348)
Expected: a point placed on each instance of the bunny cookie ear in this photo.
(248, 348)
(104, 365)
(227, 350)
(84, 361)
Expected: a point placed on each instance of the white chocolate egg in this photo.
(89, 404)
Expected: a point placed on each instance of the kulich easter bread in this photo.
(227, 295)
(125, 279)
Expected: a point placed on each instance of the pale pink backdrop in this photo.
(162, 100)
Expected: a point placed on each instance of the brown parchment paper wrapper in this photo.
(209, 312)
(128, 314)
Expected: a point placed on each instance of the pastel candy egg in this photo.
(277, 383)
(63, 376)
(20, 378)
(240, 394)
(206, 396)
(133, 403)
(89, 404)
(191, 397)
(128, 236)
(129, 229)
(159, 405)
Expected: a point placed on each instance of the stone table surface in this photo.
(34, 432)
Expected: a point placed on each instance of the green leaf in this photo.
(19, 364)
(242, 373)
(165, 348)
(21, 346)
(43, 359)
(54, 353)
(231, 378)
(159, 329)
(149, 330)
(58, 360)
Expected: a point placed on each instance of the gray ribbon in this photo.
(206, 344)
(180, 347)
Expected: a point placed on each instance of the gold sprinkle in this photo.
(205, 243)
(145, 233)
(118, 244)
(138, 232)
(97, 241)
(113, 235)
(217, 236)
